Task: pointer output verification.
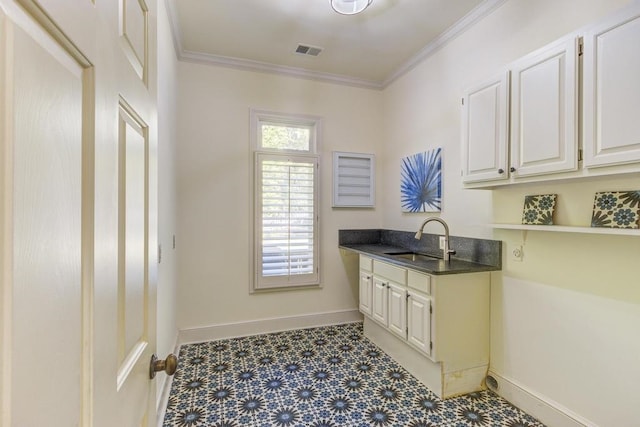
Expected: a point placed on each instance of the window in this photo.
(285, 205)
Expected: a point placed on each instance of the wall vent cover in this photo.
(304, 49)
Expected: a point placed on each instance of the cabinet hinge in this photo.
(408, 297)
(580, 154)
(462, 101)
(430, 309)
(580, 46)
(430, 345)
(159, 254)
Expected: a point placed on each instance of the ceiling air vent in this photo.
(308, 50)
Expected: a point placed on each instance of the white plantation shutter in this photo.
(287, 220)
(353, 180)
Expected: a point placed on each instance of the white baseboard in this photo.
(546, 410)
(262, 326)
(163, 398)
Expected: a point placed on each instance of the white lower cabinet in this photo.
(419, 322)
(365, 285)
(437, 327)
(366, 295)
(397, 296)
(380, 306)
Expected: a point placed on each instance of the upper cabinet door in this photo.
(485, 124)
(544, 105)
(611, 61)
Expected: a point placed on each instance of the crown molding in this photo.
(479, 12)
(466, 22)
(265, 67)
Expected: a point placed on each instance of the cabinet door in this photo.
(379, 305)
(366, 295)
(485, 123)
(398, 310)
(611, 94)
(544, 104)
(419, 322)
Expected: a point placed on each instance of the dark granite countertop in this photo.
(473, 255)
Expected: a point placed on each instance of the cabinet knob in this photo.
(500, 171)
(512, 169)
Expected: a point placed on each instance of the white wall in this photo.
(167, 280)
(213, 161)
(565, 320)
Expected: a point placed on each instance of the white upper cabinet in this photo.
(485, 127)
(524, 122)
(611, 97)
(544, 106)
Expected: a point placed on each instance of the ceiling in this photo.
(370, 49)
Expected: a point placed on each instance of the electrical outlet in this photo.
(443, 240)
(517, 253)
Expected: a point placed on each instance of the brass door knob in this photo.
(167, 365)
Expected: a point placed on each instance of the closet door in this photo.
(78, 212)
(42, 281)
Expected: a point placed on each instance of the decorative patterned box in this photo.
(538, 209)
(616, 209)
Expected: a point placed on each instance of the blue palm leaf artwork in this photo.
(421, 185)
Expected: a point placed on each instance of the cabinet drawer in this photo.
(366, 263)
(395, 274)
(419, 282)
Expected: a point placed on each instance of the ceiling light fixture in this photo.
(350, 7)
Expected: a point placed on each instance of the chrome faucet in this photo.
(446, 252)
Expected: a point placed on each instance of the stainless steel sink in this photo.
(412, 256)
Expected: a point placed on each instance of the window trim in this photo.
(257, 118)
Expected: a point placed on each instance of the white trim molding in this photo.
(479, 12)
(484, 9)
(263, 326)
(546, 410)
(162, 398)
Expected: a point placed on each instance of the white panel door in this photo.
(544, 110)
(366, 293)
(485, 124)
(419, 322)
(79, 213)
(380, 303)
(611, 100)
(43, 354)
(398, 310)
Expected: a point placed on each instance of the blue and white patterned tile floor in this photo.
(320, 377)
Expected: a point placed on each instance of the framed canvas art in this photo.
(421, 182)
